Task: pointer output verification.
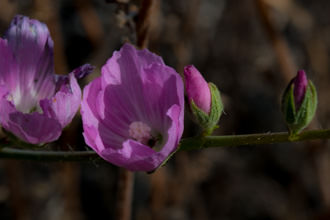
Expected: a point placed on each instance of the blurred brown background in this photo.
(250, 49)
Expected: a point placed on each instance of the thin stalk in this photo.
(185, 144)
(47, 156)
(251, 139)
(124, 194)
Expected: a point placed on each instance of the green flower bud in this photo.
(299, 103)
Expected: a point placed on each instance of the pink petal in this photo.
(8, 67)
(64, 105)
(133, 156)
(32, 47)
(34, 128)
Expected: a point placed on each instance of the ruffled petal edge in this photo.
(34, 128)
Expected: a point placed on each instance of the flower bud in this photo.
(299, 90)
(203, 98)
(299, 103)
(197, 89)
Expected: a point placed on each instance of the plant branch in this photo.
(49, 156)
(251, 139)
(185, 144)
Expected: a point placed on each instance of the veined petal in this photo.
(134, 60)
(133, 156)
(34, 128)
(92, 111)
(173, 134)
(90, 116)
(64, 105)
(139, 78)
(3, 91)
(26, 35)
(32, 48)
(8, 67)
(162, 88)
(89, 106)
(123, 69)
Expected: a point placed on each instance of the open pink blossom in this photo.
(133, 113)
(35, 104)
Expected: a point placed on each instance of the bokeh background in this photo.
(250, 49)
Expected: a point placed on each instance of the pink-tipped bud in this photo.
(197, 88)
(300, 83)
(299, 103)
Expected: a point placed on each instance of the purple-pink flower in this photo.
(197, 88)
(35, 104)
(133, 113)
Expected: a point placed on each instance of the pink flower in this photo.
(35, 104)
(133, 113)
(197, 89)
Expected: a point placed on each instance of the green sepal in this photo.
(288, 105)
(188, 142)
(165, 160)
(298, 119)
(208, 122)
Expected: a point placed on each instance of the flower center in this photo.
(140, 132)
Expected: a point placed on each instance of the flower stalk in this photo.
(185, 144)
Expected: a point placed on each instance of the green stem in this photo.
(47, 156)
(185, 144)
(251, 139)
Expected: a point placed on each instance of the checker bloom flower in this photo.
(35, 104)
(133, 113)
